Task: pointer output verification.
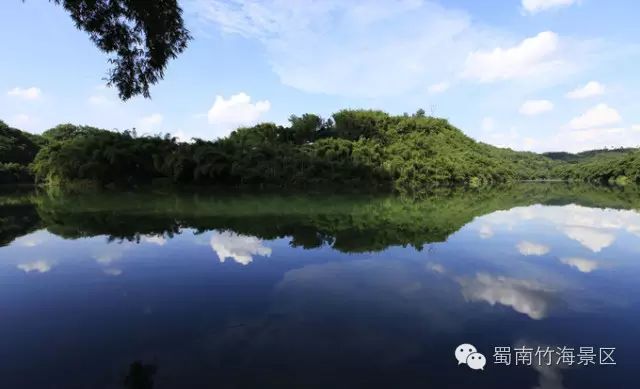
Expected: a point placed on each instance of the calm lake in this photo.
(167, 290)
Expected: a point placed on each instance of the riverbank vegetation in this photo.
(354, 148)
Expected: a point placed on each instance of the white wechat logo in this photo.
(468, 354)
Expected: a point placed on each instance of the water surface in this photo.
(203, 290)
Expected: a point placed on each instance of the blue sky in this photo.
(527, 74)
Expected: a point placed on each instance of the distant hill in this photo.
(582, 156)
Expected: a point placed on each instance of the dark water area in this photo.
(183, 290)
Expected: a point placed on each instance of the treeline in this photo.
(361, 149)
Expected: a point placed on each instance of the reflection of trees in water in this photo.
(18, 217)
(347, 223)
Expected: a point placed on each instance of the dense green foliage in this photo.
(17, 150)
(354, 149)
(610, 166)
(17, 146)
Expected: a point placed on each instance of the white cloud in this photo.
(240, 248)
(535, 107)
(635, 127)
(32, 93)
(526, 297)
(598, 116)
(353, 48)
(150, 123)
(530, 248)
(582, 264)
(36, 266)
(593, 138)
(439, 87)
(532, 56)
(592, 88)
(386, 48)
(535, 6)
(237, 111)
(488, 124)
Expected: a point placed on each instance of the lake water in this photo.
(169, 290)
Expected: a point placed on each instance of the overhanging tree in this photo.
(142, 35)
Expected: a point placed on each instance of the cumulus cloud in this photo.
(385, 48)
(535, 6)
(31, 93)
(599, 116)
(535, 107)
(531, 248)
(535, 55)
(40, 266)
(151, 122)
(240, 248)
(582, 264)
(237, 111)
(526, 297)
(439, 87)
(592, 88)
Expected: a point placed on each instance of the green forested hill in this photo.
(355, 149)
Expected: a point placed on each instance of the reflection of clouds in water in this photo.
(111, 271)
(582, 264)
(33, 239)
(40, 266)
(530, 248)
(155, 239)
(550, 377)
(524, 296)
(436, 267)
(591, 238)
(240, 248)
(594, 228)
(107, 254)
(485, 231)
